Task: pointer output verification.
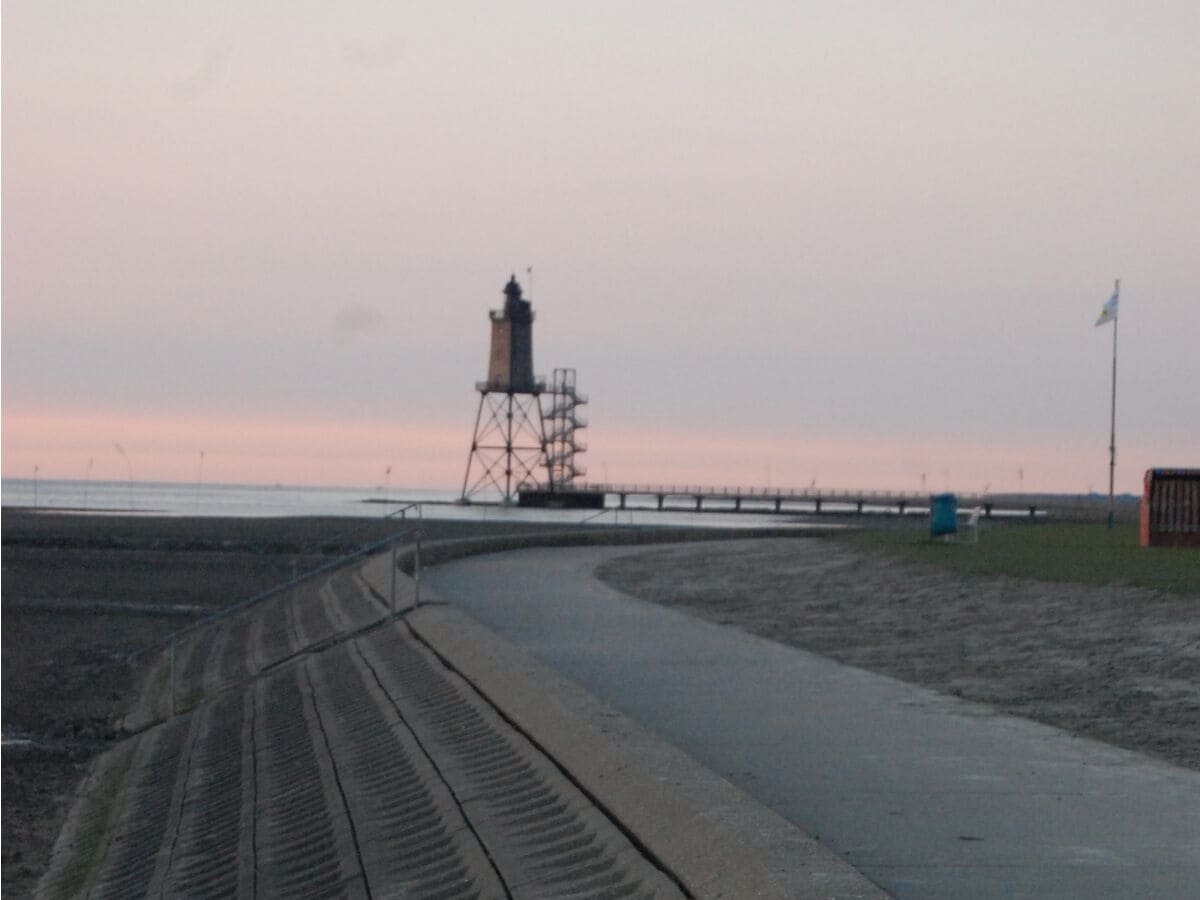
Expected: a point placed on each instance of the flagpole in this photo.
(1112, 433)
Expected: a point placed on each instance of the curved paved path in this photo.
(928, 795)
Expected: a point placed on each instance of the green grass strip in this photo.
(1083, 553)
(94, 823)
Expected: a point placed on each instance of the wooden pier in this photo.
(812, 501)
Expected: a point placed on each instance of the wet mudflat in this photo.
(66, 679)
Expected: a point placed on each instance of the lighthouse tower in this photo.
(509, 446)
(510, 363)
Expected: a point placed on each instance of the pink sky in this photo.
(329, 452)
(857, 244)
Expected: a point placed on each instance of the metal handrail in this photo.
(402, 511)
(271, 592)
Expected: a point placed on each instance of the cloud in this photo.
(375, 55)
(207, 76)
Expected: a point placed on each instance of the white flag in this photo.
(1109, 312)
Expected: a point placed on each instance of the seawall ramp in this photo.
(324, 747)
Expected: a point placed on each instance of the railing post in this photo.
(417, 572)
(172, 678)
(393, 542)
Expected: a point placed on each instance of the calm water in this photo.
(261, 501)
(162, 498)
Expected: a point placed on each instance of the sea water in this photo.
(271, 501)
(173, 499)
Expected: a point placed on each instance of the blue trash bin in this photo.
(943, 514)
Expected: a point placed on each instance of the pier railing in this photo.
(709, 498)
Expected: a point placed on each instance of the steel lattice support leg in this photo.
(509, 444)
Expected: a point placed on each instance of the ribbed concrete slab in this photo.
(304, 842)
(545, 837)
(409, 828)
(329, 753)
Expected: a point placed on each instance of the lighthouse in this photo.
(508, 451)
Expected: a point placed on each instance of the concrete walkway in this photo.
(928, 795)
